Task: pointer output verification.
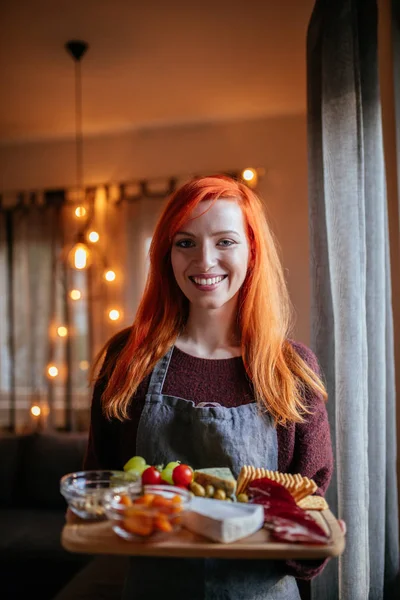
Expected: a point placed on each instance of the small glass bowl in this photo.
(152, 515)
(84, 490)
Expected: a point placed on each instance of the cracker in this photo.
(299, 486)
(296, 484)
(253, 474)
(242, 479)
(313, 503)
(306, 488)
(239, 481)
(249, 477)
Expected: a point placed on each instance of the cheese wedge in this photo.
(221, 478)
(223, 522)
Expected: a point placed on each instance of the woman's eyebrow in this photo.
(224, 232)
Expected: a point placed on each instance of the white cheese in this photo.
(223, 522)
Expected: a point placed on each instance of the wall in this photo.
(278, 145)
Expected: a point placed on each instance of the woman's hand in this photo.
(342, 525)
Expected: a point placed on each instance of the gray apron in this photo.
(205, 435)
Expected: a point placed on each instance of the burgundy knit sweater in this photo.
(302, 448)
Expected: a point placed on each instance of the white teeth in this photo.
(211, 281)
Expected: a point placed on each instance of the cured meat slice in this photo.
(282, 516)
(290, 526)
(272, 490)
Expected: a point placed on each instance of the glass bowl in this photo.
(84, 490)
(151, 515)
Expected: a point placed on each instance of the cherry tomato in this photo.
(182, 475)
(151, 476)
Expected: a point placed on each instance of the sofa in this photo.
(32, 513)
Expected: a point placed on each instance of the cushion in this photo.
(11, 449)
(47, 457)
(33, 534)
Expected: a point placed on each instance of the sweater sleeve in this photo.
(312, 452)
(312, 457)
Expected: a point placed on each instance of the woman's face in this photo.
(210, 254)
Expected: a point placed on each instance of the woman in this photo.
(209, 351)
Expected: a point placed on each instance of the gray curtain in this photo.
(352, 327)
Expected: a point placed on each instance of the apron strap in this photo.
(159, 373)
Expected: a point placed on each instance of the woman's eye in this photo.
(184, 244)
(226, 243)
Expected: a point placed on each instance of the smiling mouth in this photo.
(208, 281)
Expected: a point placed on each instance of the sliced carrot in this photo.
(162, 523)
(125, 500)
(161, 501)
(176, 500)
(146, 499)
(164, 505)
(139, 525)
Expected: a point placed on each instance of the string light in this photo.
(84, 365)
(110, 275)
(62, 331)
(80, 212)
(79, 256)
(75, 294)
(250, 176)
(93, 237)
(35, 410)
(52, 371)
(113, 315)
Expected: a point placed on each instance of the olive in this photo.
(220, 495)
(197, 489)
(242, 498)
(210, 491)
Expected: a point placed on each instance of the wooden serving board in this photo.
(99, 538)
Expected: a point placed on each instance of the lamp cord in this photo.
(78, 124)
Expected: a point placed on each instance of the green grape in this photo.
(135, 464)
(142, 468)
(171, 465)
(166, 475)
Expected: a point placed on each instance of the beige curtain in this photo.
(31, 306)
(125, 228)
(36, 237)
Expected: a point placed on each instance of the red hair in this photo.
(277, 372)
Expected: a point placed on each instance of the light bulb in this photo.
(84, 365)
(35, 410)
(250, 176)
(93, 237)
(62, 331)
(109, 275)
(52, 371)
(80, 212)
(75, 294)
(80, 256)
(113, 314)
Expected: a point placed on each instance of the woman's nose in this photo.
(206, 256)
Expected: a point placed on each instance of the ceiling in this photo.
(149, 64)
